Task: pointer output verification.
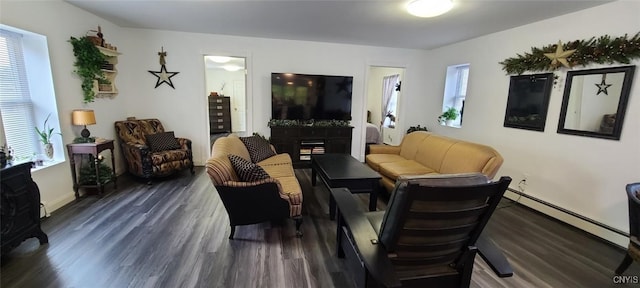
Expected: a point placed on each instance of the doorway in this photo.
(384, 118)
(225, 84)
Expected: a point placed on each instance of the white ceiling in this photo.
(365, 22)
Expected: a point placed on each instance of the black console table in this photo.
(301, 142)
(20, 208)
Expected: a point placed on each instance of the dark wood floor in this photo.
(174, 234)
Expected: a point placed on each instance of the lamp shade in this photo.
(83, 117)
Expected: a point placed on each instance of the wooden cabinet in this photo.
(20, 207)
(301, 143)
(219, 114)
(110, 72)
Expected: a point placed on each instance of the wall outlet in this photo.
(525, 176)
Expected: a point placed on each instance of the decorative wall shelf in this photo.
(110, 72)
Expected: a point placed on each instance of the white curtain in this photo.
(388, 85)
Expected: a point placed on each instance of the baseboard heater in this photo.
(574, 214)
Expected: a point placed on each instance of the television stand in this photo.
(302, 142)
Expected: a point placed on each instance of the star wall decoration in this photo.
(603, 86)
(560, 56)
(163, 75)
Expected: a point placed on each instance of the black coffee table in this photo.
(342, 170)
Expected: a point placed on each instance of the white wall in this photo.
(585, 175)
(58, 21)
(183, 109)
(582, 174)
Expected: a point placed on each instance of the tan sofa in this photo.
(422, 152)
(277, 197)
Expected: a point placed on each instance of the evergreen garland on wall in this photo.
(602, 50)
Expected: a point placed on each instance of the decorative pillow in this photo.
(247, 171)
(259, 148)
(162, 141)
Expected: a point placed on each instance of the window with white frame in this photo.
(455, 91)
(27, 97)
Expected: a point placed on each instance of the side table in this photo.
(94, 149)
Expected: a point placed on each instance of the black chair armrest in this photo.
(373, 255)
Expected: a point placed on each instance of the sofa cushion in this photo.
(466, 156)
(162, 141)
(278, 166)
(432, 151)
(166, 156)
(374, 160)
(247, 171)
(404, 167)
(259, 148)
(411, 142)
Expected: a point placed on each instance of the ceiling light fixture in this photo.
(429, 8)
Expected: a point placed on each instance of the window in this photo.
(390, 91)
(26, 92)
(455, 91)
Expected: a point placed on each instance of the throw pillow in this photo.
(247, 171)
(162, 141)
(259, 148)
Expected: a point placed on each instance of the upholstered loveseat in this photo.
(276, 196)
(423, 152)
(149, 151)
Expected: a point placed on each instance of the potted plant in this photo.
(89, 61)
(416, 128)
(448, 116)
(45, 137)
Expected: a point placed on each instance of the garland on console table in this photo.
(313, 123)
(579, 52)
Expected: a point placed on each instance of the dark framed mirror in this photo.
(528, 101)
(595, 101)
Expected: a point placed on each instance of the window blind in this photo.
(16, 106)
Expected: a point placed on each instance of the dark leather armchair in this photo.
(633, 253)
(427, 235)
(141, 160)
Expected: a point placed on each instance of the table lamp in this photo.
(83, 117)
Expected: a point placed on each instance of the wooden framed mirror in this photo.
(595, 101)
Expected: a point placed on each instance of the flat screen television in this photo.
(306, 97)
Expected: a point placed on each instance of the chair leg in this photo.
(624, 265)
(298, 224)
(233, 231)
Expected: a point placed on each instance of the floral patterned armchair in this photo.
(146, 158)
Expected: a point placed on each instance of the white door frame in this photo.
(248, 92)
(400, 107)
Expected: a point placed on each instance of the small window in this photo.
(390, 90)
(455, 91)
